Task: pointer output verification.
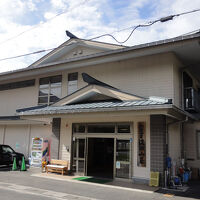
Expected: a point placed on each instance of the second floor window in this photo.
(50, 90)
(72, 82)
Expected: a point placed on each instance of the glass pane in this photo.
(198, 145)
(81, 166)
(72, 86)
(73, 76)
(55, 84)
(123, 150)
(44, 81)
(74, 165)
(56, 79)
(43, 100)
(44, 92)
(122, 156)
(78, 128)
(81, 148)
(123, 171)
(123, 128)
(56, 91)
(74, 148)
(101, 128)
(53, 99)
(44, 86)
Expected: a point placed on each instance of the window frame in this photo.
(198, 144)
(72, 80)
(49, 85)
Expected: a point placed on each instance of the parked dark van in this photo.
(7, 155)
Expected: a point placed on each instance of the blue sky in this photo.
(86, 19)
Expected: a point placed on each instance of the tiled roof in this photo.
(114, 105)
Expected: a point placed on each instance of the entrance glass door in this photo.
(100, 157)
(123, 158)
(79, 151)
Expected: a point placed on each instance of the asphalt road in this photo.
(21, 185)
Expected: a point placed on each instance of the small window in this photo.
(72, 82)
(50, 90)
(198, 145)
(79, 128)
(123, 128)
(16, 85)
(101, 128)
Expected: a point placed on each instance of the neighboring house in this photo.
(113, 111)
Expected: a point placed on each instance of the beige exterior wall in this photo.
(174, 142)
(10, 100)
(177, 82)
(66, 134)
(2, 128)
(190, 144)
(19, 136)
(146, 76)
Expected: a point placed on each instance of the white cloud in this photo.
(86, 19)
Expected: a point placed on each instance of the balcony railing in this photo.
(191, 100)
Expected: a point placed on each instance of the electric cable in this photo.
(163, 19)
(36, 26)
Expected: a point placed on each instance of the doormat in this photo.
(92, 180)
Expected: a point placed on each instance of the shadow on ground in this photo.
(192, 192)
(5, 168)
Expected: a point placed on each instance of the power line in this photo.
(36, 26)
(163, 19)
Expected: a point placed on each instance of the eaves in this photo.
(99, 58)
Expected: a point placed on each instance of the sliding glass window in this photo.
(50, 90)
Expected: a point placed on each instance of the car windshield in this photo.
(7, 149)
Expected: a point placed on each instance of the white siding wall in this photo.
(146, 76)
(174, 142)
(10, 100)
(1, 134)
(17, 137)
(190, 143)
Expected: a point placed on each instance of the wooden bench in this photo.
(59, 166)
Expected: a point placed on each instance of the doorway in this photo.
(100, 158)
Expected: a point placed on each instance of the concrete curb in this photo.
(94, 184)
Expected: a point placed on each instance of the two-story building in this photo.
(112, 111)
